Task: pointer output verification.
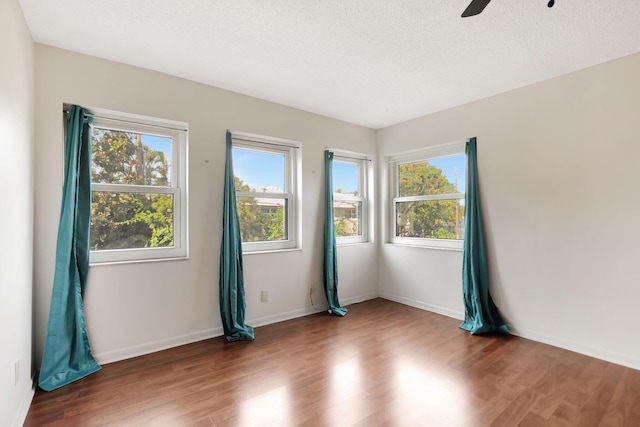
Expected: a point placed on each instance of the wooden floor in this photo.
(384, 364)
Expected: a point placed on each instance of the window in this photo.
(138, 184)
(266, 176)
(428, 189)
(350, 201)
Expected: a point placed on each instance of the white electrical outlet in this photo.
(264, 295)
(16, 371)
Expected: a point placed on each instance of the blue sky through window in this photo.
(345, 177)
(159, 143)
(258, 169)
(262, 170)
(452, 165)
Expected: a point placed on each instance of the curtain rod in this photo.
(344, 156)
(349, 157)
(267, 143)
(131, 121)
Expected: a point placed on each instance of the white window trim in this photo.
(366, 189)
(423, 154)
(177, 131)
(292, 177)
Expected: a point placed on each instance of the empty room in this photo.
(337, 213)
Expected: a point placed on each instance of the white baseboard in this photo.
(23, 409)
(598, 353)
(358, 299)
(153, 346)
(424, 306)
(281, 317)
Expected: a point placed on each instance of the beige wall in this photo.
(16, 215)
(139, 308)
(559, 178)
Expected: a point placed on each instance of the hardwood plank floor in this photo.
(384, 364)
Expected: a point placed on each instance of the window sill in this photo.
(433, 246)
(136, 261)
(339, 244)
(271, 251)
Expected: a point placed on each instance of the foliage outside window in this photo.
(428, 197)
(350, 202)
(266, 181)
(138, 207)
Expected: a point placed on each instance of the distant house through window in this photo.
(266, 177)
(350, 197)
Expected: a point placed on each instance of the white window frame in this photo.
(364, 183)
(291, 150)
(424, 154)
(177, 131)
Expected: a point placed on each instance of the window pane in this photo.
(130, 158)
(262, 219)
(433, 219)
(345, 178)
(445, 175)
(347, 217)
(258, 171)
(131, 220)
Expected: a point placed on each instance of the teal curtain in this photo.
(330, 262)
(67, 353)
(480, 313)
(232, 302)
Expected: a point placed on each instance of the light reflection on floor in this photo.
(424, 396)
(345, 379)
(419, 395)
(272, 408)
(344, 402)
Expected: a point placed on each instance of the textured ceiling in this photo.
(370, 62)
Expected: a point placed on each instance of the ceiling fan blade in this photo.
(475, 8)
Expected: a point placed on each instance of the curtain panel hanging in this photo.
(330, 259)
(67, 353)
(232, 301)
(480, 313)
